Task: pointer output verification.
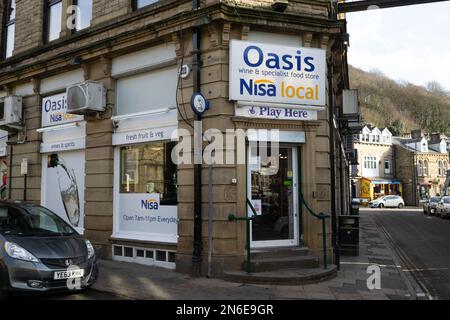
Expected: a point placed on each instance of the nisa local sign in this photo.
(54, 111)
(277, 74)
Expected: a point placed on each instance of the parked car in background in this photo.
(443, 207)
(40, 252)
(388, 201)
(429, 206)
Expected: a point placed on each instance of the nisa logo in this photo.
(260, 88)
(267, 88)
(150, 204)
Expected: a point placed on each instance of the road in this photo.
(85, 295)
(422, 244)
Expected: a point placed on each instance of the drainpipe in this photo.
(196, 257)
(11, 149)
(333, 167)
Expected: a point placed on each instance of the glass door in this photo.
(272, 189)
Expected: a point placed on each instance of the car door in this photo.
(396, 200)
(389, 201)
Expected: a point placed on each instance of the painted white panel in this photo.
(63, 187)
(273, 135)
(275, 38)
(61, 81)
(143, 59)
(3, 145)
(24, 90)
(142, 217)
(58, 140)
(148, 91)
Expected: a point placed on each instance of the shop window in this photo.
(425, 168)
(149, 254)
(9, 29)
(420, 168)
(53, 20)
(118, 251)
(138, 4)
(84, 14)
(161, 255)
(128, 252)
(149, 169)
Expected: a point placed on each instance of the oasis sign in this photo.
(277, 74)
(54, 111)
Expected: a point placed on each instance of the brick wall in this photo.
(29, 25)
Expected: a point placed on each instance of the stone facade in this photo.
(407, 163)
(116, 29)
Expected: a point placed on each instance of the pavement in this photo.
(133, 281)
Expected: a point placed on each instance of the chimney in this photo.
(435, 138)
(416, 134)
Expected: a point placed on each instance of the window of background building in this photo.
(420, 168)
(9, 28)
(85, 14)
(370, 162)
(440, 168)
(425, 168)
(148, 168)
(54, 19)
(387, 166)
(143, 3)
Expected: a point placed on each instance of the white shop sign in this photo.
(294, 113)
(277, 74)
(54, 111)
(141, 217)
(144, 135)
(68, 145)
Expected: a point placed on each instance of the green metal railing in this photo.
(323, 217)
(248, 220)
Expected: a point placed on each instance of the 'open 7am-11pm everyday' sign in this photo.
(277, 74)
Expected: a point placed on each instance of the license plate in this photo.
(72, 274)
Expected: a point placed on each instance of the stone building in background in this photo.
(115, 181)
(421, 165)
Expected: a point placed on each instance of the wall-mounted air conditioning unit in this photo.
(11, 113)
(86, 98)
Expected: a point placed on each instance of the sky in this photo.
(409, 44)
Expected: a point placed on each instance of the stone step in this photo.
(277, 263)
(289, 277)
(281, 252)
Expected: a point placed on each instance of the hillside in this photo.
(401, 106)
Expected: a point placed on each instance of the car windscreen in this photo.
(33, 221)
(435, 199)
(446, 200)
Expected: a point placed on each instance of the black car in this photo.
(40, 252)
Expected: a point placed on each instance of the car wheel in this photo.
(381, 205)
(400, 206)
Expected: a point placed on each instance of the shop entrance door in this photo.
(274, 194)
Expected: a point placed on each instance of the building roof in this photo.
(403, 142)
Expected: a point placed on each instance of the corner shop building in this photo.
(120, 161)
